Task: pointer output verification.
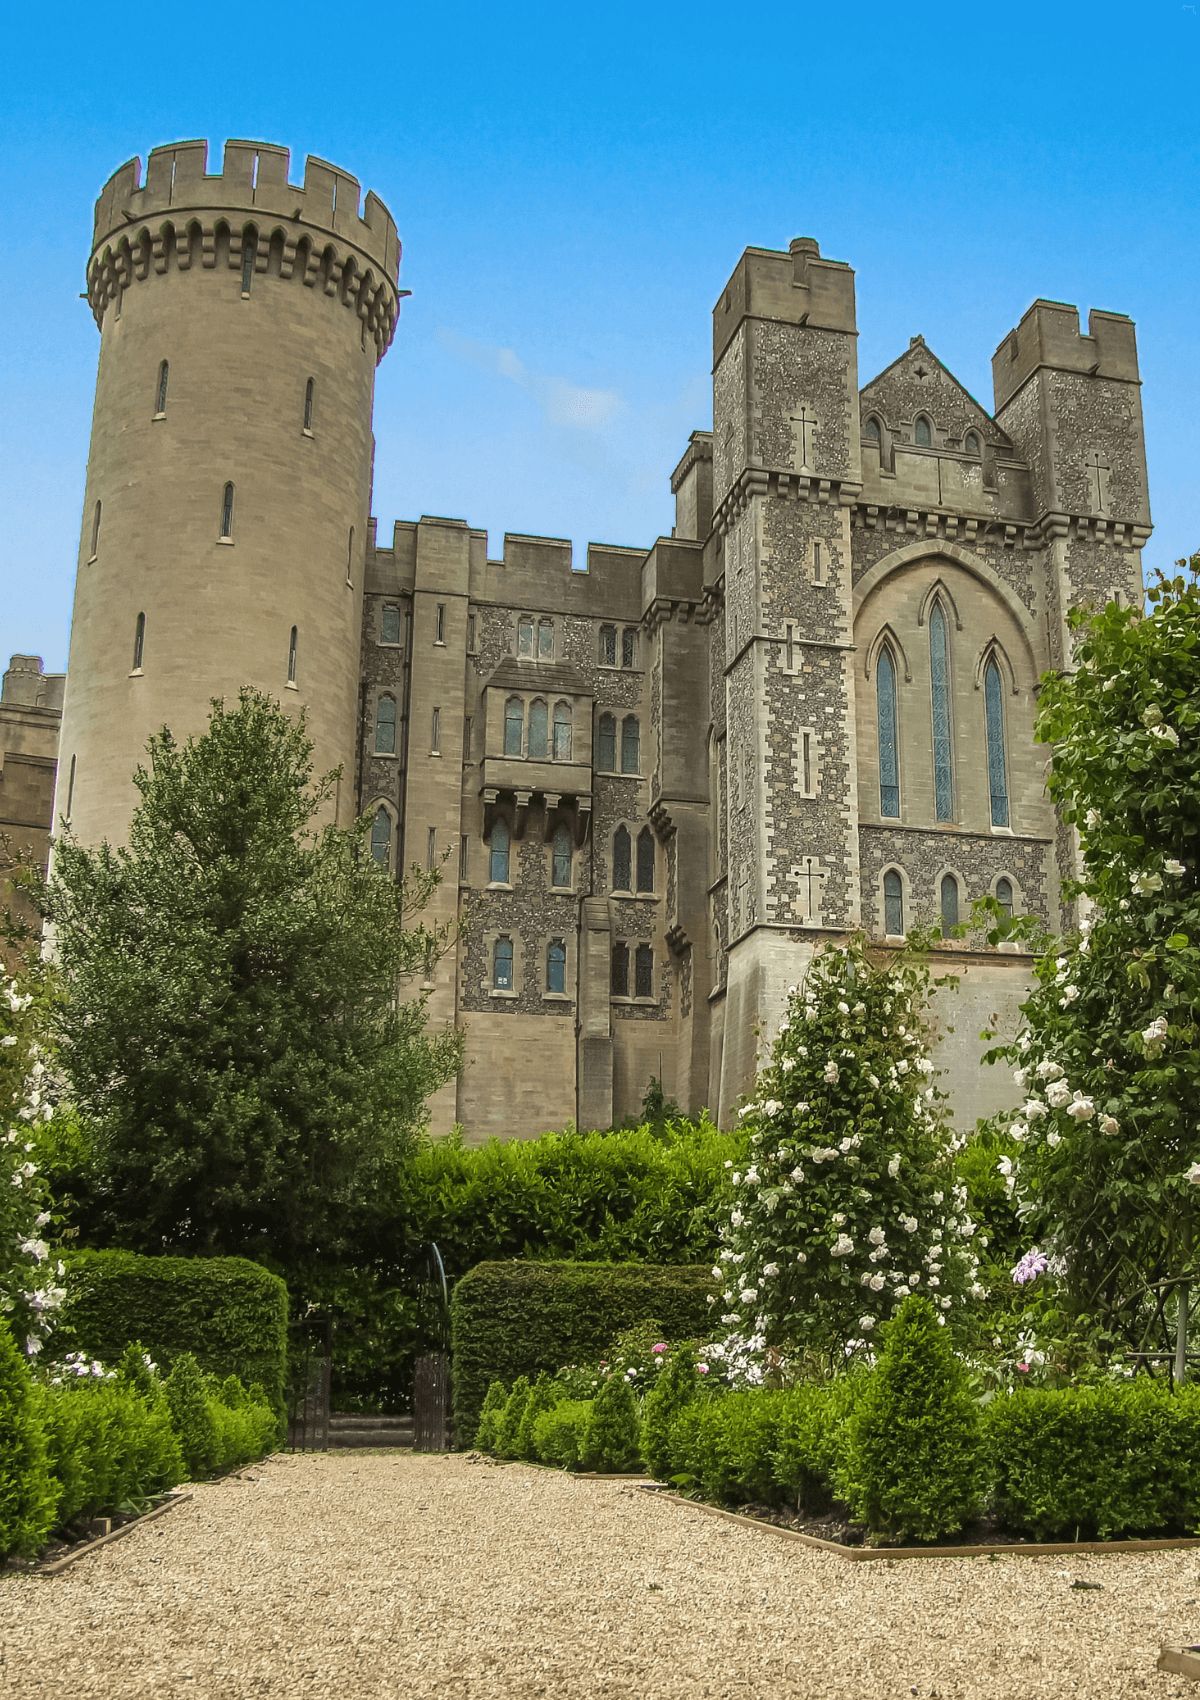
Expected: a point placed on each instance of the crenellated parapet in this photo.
(185, 218)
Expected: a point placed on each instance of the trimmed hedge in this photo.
(514, 1319)
(231, 1314)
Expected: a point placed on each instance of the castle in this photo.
(654, 785)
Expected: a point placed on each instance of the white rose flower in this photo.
(1059, 1094)
(1033, 1110)
(842, 1246)
(902, 1292)
(914, 1279)
(1053, 1139)
(1166, 735)
(1017, 1130)
(866, 1323)
(874, 1079)
(877, 1236)
(894, 1166)
(938, 1197)
(909, 1224)
(843, 1009)
(787, 1065)
(797, 1174)
(8, 1040)
(859, 1009)
(1193, 1174)
(1081, 1108)
(1109, 1124)
(934, 1281)
(1173, 867)
(801, 1257)
(875, 1282)
(830, 1075)
(1048, 1070)
(839, 1221)
(1005, 1166)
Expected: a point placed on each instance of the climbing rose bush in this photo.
(31, 1288)
(850, 1201)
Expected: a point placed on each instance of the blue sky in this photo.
(572, 190)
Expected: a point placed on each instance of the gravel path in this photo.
(360, 1576)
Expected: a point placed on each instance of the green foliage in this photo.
(512, 1319)
(559, 1434)
(508, 1427)
(724, 1448)
(678, 1384)
(914, 1466)
(544, 1396)
(489, 1416)
(108, 1446)
(850, 1199)
(218, 1427)
(613, 1438)
(810, 1455)
(230, 1026)
(244, 1429)
(28, 1494)
(192, 1416)
(230, 1313)
(1098, 1461)
(137, 1370)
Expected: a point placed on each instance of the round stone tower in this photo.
(229, 482)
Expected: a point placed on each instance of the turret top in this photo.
(253, 182)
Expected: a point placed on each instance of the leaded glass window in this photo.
(994, 703)
(889, 756)
(498, 863)
(949, 903)
(561, 871)
(628, 646)
(556, 966)
(539, 748)
(606, 744)
(385, 726)
(514, 723)
(381, 836)
(562, 731)
(922, 435)
(645, 860)
(502, 965)
(546, 639)
(389, 626)
(939, 656)
(622, 860)
(893, 904)
(630, 744)
(871, 430)
(643, 972)
(524, 637)
(1004, 895)
(620, 971)
(608, 646)
(972, 443)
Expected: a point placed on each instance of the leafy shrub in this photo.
(108, 1446)
(913, 1465)
(677, 1385)
(28, 1494)
(1103, 1461)
(558, 1434)
(508, 1426)
(724, 1448)
(512, 1319)
(228, 1313)
(813, 1437)
(489, 1417)
(192, 1417)
(243, 1431)
(544, 1397)
(613, 1438)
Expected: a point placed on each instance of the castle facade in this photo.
(654, 781)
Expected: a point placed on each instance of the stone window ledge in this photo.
(497, 992)
(557, 997)
(497, 885)
(136, 673)
(635, 896)
(383, 755)
(645, 1003)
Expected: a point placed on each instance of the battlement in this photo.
(253, 181)
(796, 288)
(1049, 335)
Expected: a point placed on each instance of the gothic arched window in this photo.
(645, 860)
(1004, 895)
(381, 836)
(630, 744)
(889, 754)
(622, 860)
(539, 748)
(608, 646)
(871, 430)
(893, 904)
(562, 731)
(514, 724)
(560, 873)
(498, 865)
(643, 972)
(922, 434)
(556, 966)
(249, 255)
(949, 903)
(993, 697)
(502, 965)
(971, 445)
(606, 744)
(939, 657)
(629, 646)
(385, 726)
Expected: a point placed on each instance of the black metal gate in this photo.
(431, 1403)
(310, 1377)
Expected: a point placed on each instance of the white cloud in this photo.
(563, 403)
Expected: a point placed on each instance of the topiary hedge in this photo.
(231, 1314)
(513, 1319)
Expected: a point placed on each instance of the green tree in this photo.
(234, 1025)
(1107, 1171)
(613, 1438)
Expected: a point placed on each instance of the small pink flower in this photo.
(661, 1347)
(1023, 1367)
(702, 1369)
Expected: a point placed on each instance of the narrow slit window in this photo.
(502, 965)
(561, 867)
(922, 433)
(435, 732)
(997, 777)
(645, 860)
(139, 642)
(538, 731)
(620, 971)
(498, 867)
(350, 557)
(95, 532)
(385, 726)
(160, 393)
(889, 756)
(471, 633)
(807, 736)
(790, 650)
(292, 643)
(249, 253)
(608, 646)
(441, 623)
(562, 731)
(514, 726)
(630, 744)
(546, 640)
(939, 656)
(628, 646)
(816, 563)
(463, 852)
(524, 637)
(622, 860)
(643, 972)
(893, 904)
(389, 626)
(308, 404)
(70, 791)
(949, 904)
(381, 837)
(431, 848)
(468, 728)
(227, 512)
(1004, 895)
(606, 744)
(556, 966)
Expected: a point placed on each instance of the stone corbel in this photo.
(520, 811)
(490, 796)
(677, 940)
(552, 800)
(583, 819)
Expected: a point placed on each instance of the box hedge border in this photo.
(511, 1319)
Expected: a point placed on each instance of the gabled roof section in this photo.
(538, 678)
(918, 383)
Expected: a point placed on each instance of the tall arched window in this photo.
(539, 746)
(993, 696)
(630, 744)
(381, 837)
(385, 726)
(606, 744)
(249, 253)
(922, 435)
(949, 903)
(629, 646)
(971, 445)
(556, 966)
(645, 860)
(227, 512)
(498, 861)
(939, 658)
(619, 978)
(622, 860)
(643, 972)
(514, 725)
(292, 645)
(139, 642)
(389, 626)
(160, 394)
(1004, 895)
(95, 532)
(893, 904)
(560, 871)
(608, 646)
(562, 731)
(546, 639)
(308, 405)
(502, 965)
(889, 754)
(871, 430)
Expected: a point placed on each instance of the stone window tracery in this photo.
(608, 646)
(643, 972)
(971, 445)
(997, 776)
(381, 837)
(1004, 895)
(556, 966)
(502, 965)
(545, 640)
(922, 433)
(889, 753)
(629, 646)
(524, 637)
(949, 896)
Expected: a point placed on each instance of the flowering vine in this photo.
(31, 1287)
